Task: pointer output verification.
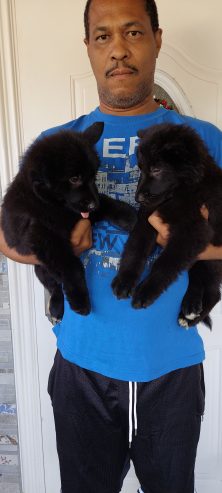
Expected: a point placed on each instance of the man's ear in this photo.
(94, 132)
(86, 42)
(158, 40)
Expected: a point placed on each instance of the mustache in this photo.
(122, 66)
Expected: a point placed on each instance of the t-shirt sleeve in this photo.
(218, 153)
(214, 142)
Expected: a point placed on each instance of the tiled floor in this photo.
(9, 453)
(9, 488)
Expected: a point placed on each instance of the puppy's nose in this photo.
(91, 206)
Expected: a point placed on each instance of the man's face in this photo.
(122, 49)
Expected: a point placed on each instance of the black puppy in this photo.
(177, 177)
(54, 188)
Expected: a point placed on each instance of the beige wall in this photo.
(192, 54)
(195, 27)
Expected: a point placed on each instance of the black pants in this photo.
(92, 427)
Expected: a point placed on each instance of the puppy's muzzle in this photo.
(91, 206)
(143, 197)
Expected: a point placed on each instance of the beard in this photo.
(122, 100)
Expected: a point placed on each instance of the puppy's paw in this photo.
(122, 287)
(84, 310)
(143, 296)
(56, 305)
(191, 310)
(183, 322)
(81, 310)
(80, 304)
(187, 322)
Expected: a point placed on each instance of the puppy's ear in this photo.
(141, 133)
(40, 186)
(94, 132)
(42, 191)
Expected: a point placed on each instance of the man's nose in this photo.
(119, 50)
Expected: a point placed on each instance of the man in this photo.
(126, 384)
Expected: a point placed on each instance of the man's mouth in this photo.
(121, 73)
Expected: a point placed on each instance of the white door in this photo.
(51, 82)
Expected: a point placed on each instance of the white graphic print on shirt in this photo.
(117, 177)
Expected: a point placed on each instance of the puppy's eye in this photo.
(155, 171)
(75, 180)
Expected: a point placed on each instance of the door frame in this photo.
(22, 302)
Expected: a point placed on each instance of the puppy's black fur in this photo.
(177, 177)
(54, 188)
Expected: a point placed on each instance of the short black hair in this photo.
(150, 6)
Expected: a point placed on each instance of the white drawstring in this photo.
(132, 410)
(135, 410)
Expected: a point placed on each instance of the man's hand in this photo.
(210, 253)
(81, 236)
(163, 228)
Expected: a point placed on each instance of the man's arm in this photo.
(210, 253)
(81, 239)
(13, 254)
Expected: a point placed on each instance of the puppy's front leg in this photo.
(139, 245)
(56, 302)
(203, 292)
(117, 212)
(67, 269)
(179, 254)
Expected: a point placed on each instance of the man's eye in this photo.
(134, 34)
(102, 38)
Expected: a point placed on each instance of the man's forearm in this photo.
(13, 254)
(81, 240)
(211, 253)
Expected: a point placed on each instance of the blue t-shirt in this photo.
(115, 339)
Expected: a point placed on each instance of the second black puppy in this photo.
(177, 177)
(54, 188)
